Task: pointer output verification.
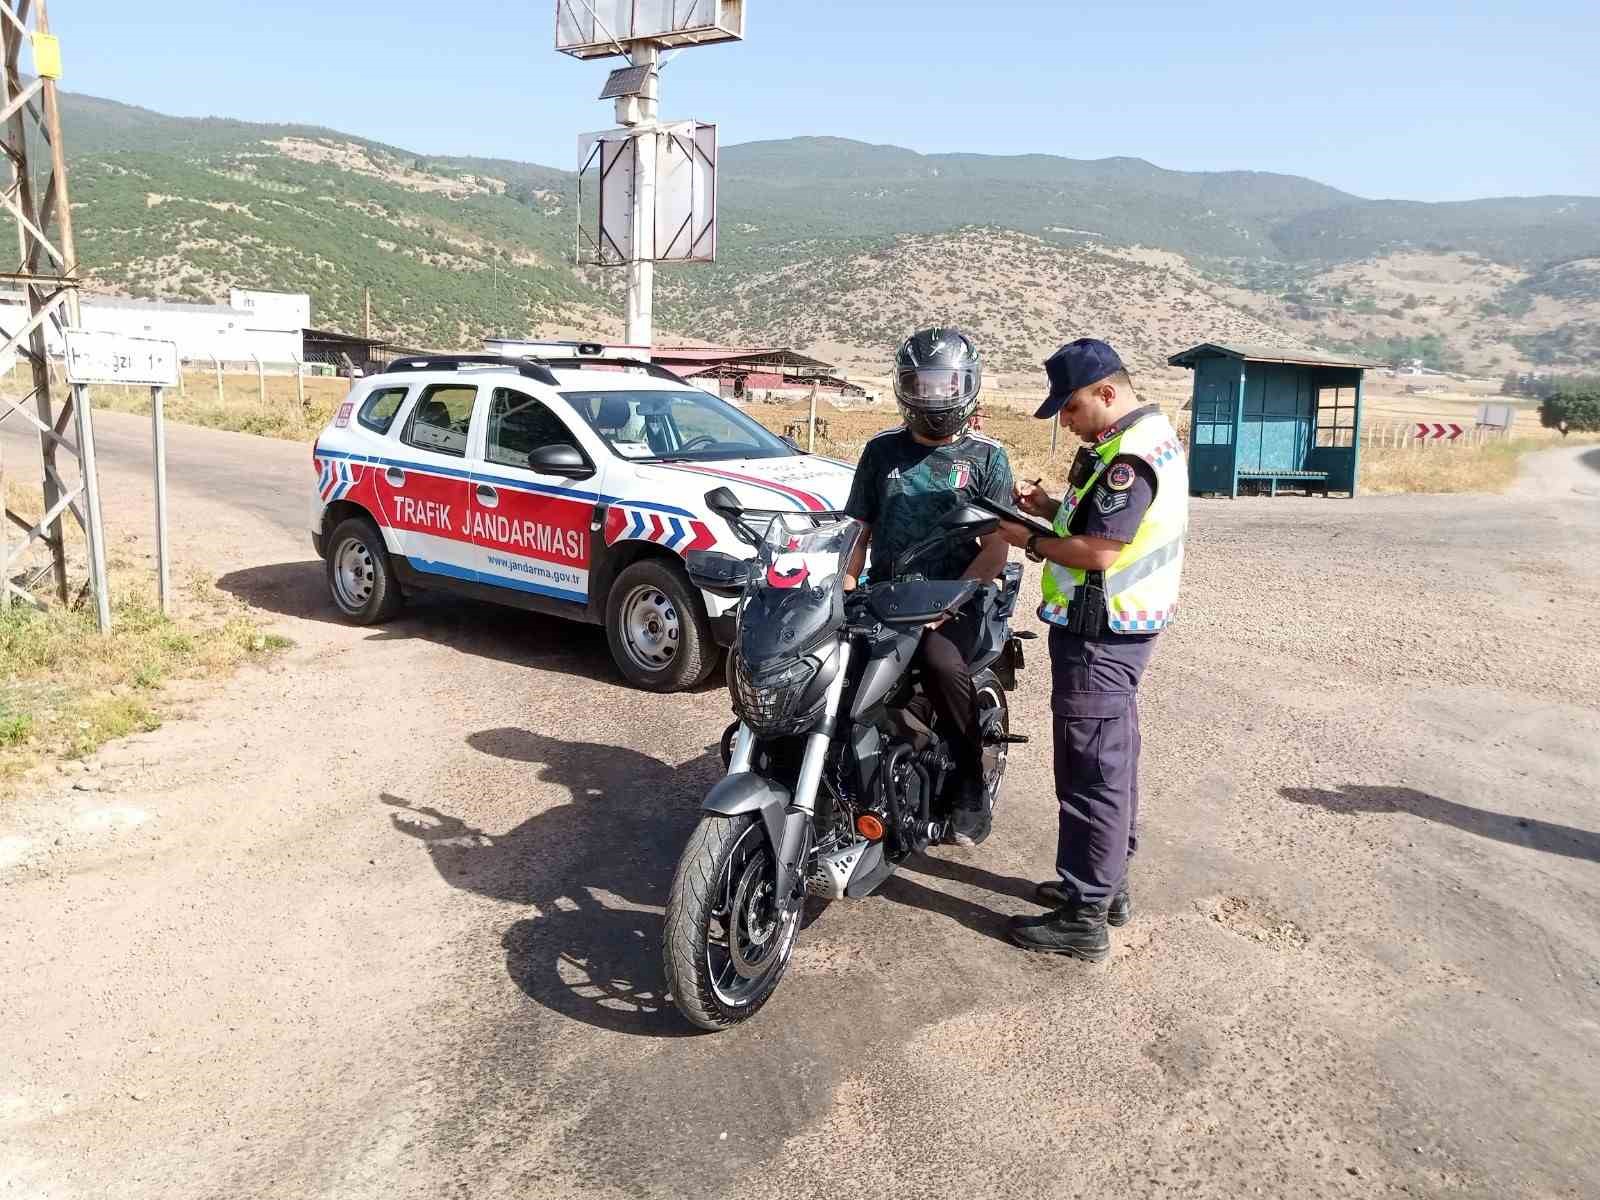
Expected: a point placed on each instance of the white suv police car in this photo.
(571, 483)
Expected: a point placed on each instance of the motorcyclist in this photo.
(907, 479)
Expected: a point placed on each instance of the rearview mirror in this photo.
(969, 518)
(559, 458)
(723, 502)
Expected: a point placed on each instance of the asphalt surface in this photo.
(383, 920)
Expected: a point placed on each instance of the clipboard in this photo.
(1031, 524)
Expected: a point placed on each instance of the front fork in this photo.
(794, 843)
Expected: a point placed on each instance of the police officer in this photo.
(1110, 586)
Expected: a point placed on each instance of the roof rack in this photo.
(654, 370)
(531, 368)
(528, 365)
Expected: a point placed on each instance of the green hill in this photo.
(453, 248)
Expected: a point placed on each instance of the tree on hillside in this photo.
(1572, 409)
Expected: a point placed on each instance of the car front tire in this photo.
(360, 578)
(657, 628)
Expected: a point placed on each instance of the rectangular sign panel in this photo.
(684, 228)
(598, 28)
(94, 357)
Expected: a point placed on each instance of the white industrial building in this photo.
(252, 325)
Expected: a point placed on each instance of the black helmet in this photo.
(937, 374)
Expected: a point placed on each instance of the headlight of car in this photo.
(770, 702)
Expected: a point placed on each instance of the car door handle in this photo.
(395, 476)
(487, 496)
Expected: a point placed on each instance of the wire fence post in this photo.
(158, 430)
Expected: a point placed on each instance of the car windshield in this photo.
(796, 587)
(674, 426)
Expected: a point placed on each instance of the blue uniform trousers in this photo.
(1094, 701)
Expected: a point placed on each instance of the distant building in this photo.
(735, 373)
(741, 374)
(263, 325)
(345, 352)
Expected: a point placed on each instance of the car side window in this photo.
(441, 418)
(378, 413)
(519, 424)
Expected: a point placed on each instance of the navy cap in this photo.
(1076, 365)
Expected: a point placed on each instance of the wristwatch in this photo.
(1032, 549)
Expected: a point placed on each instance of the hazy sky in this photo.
(1420, 99)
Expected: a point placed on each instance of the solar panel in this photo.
(625, 81)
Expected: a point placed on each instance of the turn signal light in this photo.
(870, 827)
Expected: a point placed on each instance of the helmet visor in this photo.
(936, 387)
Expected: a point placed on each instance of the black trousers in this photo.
(1094, 701)
(942, 655)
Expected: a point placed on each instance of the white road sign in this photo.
(94, 357)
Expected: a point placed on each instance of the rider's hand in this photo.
(1034, 500)
(851, 583)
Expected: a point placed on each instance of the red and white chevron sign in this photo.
(1434, 431)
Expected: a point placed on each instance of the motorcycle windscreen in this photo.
(795, 596)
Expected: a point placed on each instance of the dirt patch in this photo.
(1251, 919)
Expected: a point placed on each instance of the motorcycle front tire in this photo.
(724, 946)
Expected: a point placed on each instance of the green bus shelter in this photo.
(1266, 419)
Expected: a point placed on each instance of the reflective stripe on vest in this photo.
(1141, 585)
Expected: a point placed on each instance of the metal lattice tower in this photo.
(46, 271)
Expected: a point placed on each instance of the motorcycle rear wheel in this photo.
(726, 942)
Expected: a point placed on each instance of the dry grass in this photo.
(241, 407)
(1491, 467)
(1429, 468)
(271, 407)
(65, 690)
(1026, 440)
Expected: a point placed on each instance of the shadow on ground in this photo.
(509, 635)
(593, 874)
(1502, 827)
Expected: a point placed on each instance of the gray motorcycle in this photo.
(837, 769)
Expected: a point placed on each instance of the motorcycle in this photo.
(837, 769)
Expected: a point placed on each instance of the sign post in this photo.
(639, 31)
(108, 358)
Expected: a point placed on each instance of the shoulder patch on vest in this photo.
(1119, 477)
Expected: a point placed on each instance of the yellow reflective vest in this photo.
(1141, 586)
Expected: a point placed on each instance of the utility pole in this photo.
(640, 112)
(47, 273)
(366, 299)
(639, 33)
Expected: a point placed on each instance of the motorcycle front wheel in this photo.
(727, 940)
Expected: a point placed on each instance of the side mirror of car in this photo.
(718, 573)
(559, 458)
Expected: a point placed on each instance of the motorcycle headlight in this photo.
(770, 702)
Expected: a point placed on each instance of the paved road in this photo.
(383, 921)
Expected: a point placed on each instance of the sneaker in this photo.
(972, 819)
(1118, 912)
(1078, 930)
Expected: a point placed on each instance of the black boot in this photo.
(972, 817)
(1075, 929)
(1118, 913)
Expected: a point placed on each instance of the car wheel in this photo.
(359, 575)
(657, 627)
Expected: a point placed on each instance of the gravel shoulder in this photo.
(381, 919)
